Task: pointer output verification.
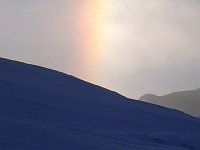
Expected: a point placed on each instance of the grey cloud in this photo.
(160, 51)
(153, 45)
(38, 32)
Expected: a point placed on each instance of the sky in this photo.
(133, 47)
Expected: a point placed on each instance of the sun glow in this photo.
(91, 26)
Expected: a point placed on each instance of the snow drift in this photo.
(47, 110)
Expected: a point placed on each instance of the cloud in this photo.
(158, 51)
(38, 32)
(152, 45)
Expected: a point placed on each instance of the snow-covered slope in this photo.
(186, 101)
(42, 109)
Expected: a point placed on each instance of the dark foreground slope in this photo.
(41, 109)
(186, 101)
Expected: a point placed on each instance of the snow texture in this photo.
(41, 109)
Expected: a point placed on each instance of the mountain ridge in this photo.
(186, 101)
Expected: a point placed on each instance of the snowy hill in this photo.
(41, 109)
(186, 101)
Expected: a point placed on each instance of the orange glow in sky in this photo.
(91, 26)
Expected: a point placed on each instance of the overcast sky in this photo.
(151, 46)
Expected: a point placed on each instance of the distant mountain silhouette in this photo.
(186, 101)
(42, 109)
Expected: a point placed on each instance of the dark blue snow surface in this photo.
(42, 109)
